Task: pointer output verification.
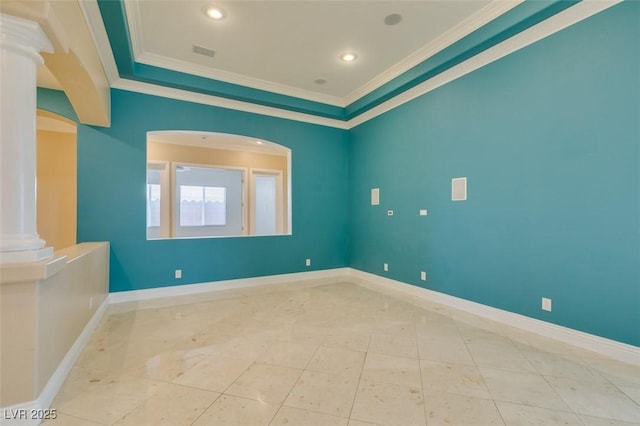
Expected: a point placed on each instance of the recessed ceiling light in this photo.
(348, 57)
(320, 81)
(393, 19)
(214, 12)
(259, 142)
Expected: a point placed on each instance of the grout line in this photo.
(206, 409)
(456, 330)
(355, 395)
(424, 396)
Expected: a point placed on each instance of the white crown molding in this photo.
(92, 15)
(564, 19)
(414, 295)
(134, 21)
(487, 14)
(462, 29)
(233, 78)
(558, 22)
(199, 98)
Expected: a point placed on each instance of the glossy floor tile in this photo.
(333, 353)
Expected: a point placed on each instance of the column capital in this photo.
(23, 36)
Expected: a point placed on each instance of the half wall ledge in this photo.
(44, 308)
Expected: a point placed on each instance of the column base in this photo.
(26, 256)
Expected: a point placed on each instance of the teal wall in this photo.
(111, 195)
(549, 139)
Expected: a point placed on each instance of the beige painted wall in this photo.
(67, 302)
(57, 194)
(44, 307)
(221, 157)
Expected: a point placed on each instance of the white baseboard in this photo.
(58, 377)
(413, 294)
(242, 283)
(600, 345)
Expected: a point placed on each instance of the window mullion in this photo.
(202, 209)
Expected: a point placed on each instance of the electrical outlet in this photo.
(178, 273)
(423, 212)
(308, 262)
(546, 304)
(423, 275)
(385, 267)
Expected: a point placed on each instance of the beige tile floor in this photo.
(333, 353)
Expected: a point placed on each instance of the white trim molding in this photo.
(134, 21)
(91, 12)
(50, 390)
(243, 284)
(199, 98)
(603, 346)
(123, 301)
(562, 20)
(410, 293)
(485, 15)
(165, 62)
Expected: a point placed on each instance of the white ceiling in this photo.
(284, 46)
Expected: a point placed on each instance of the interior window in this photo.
(216, 185)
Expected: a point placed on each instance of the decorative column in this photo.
(21, 42)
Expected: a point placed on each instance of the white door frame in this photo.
(279, 198)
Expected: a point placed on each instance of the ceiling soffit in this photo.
(463, 43)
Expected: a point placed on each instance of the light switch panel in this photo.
(375, 196)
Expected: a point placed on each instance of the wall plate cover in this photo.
(375, 196)
(459, 189)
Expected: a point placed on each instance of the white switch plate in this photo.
(546, 304)
(389, 212)
(423, 275)
(423, 212)
(178, 273)
(375, 196)
(308, 262)
(459, 189)
(385, 267)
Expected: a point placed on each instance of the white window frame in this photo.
(175, 208)
(164, 230)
